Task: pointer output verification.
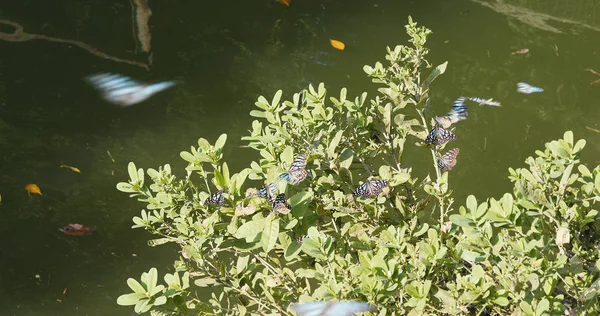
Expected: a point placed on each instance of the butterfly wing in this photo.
(439, 136)
(527, 88)
(448, 160)
(216, 198)
(370, 188)
(297, 171)
(281, 205)
(268, 191)
(330, 308)
(446, 121)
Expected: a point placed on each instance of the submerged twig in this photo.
(142, 16)
(19, 35)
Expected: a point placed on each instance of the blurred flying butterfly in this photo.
(281, 205)
(370, 188)
(125, 91)
(527, 88)
(448, 160)
(297, 171)
(331, 308)
(268, 191)
(482, 101)
(459, 108)
(439, 136)
(216, 198)
(446, 121)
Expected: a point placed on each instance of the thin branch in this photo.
(19, 35)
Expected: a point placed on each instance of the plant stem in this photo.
(437, 170)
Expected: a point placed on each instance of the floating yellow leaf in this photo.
(33, 188)
(337, 44)
(285, 2)
(72, 168)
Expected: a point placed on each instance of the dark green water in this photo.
(225, 54)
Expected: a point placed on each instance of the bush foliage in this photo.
(534, 251)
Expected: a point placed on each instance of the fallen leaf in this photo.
(58, 300)
(285, 2)
(76, 230)
(337, 44)
(37, 276)
(65, 291)
(521, 51)
(72, 168)
(134, 255)
(593, 71)
(33, 188)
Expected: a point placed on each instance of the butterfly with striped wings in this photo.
(281, 205)
(331, 308)
(216, 198)
(370, 188)
(439, 136)
(268, 191)
(448, 160)
(297, 171)
(483, 101)
(124, 91)
(526, 88)
(458, 113)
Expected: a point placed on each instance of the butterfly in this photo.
(527, 88)
(281, 205)
(370, 188)
(446, 121)
(124, 91)
(482, 101)
(439, 136)
(216, 198)
(268, 191)
(331, 308)
(448, 160)
(459, 108)
(297, 172)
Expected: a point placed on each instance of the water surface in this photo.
(225, 54)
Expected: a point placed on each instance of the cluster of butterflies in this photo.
(440, 134)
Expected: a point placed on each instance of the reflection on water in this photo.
(224, 59)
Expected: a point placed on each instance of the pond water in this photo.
(225, 54)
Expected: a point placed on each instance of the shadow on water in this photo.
(225, 54)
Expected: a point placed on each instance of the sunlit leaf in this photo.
(337, 44)
(33, 188)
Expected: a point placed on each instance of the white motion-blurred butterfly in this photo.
(331, 308)
(124, 91)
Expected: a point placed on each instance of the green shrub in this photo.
(533, 252)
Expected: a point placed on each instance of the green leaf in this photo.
(502, 301)
(270, 233)
(160, 300)
(130, 299)
(543, 305)
(461, 221)
(187, 156)
(135, 286)
(143, 306)
(250, 229)
(276, 99)
(151, 281)
(220, 143)
(436, 72)
(346, 158)
(133, 174)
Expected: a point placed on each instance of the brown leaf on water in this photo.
(592, 71)
(520, 51)
(337, 44)
(593, 129)
(594, 82)
(65, 291)
(72, 168)
(33, 188)
(285, 2)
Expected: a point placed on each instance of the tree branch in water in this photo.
(19, 35)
